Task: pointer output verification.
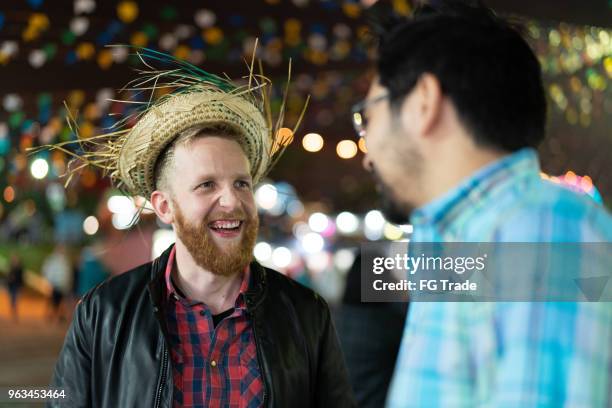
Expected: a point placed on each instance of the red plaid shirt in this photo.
(211, 366)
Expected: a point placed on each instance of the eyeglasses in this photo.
(358, 110)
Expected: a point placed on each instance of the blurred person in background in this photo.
(91, 271)
(370, 335)
(14, 282)
(57, 269)
(451, 123)
(203, 324)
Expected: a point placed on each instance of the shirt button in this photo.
(213, 363)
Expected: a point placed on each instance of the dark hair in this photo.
(483, 64)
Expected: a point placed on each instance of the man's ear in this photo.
(162, 206)
(421, 111)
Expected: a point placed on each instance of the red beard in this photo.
(205, 252)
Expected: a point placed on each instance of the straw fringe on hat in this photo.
(199, 99)
(160, 126)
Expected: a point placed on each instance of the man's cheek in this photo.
(250, 208)
(374, 151)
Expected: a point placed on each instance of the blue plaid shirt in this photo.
(507, 354)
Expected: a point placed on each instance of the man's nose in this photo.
(228, 197)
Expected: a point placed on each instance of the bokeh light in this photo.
(262, 251)
(91, 225)
(39, 168)
(281, 257)
(346, 149)
(318, 222)
(312, 142)
(347, 222)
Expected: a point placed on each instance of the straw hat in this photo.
(128, 154)
(163, 123)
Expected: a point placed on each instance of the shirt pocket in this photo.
(251, 381)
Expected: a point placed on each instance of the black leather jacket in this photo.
(116, 353)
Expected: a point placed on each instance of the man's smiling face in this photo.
(213, 205)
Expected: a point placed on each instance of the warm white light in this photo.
(84, 6)
(312, 242)
(262, 251)
(168, 41)
(347, 222)
(39, 168)
(37, 58)
(281, 257)
(103, 98)
(205, 18)
(9, 48)
(79, 25)
(119, 204)
(318, 222)
(374, 220)
(266, 196)
(317, 262)
(91, 225)
(120, 54)
(122, 221)
(343, 259)
(392, 232)
(346, 149)
(312, 142)
(407, 229)
(162, 239)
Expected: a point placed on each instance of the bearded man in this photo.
(203, 325)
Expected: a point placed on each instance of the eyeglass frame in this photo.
(358, 113)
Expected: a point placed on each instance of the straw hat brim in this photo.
(164, 122)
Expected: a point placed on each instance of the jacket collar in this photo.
(254, 295)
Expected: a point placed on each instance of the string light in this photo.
(127, 11)
(9, 194)
(346, 149)
(362, 145)
(39, 168)
(262, 251)
(91, 225)
(312, 142)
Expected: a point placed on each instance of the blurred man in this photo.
(91, 270)
(203, 325)
(14, 283)
(369, 359)
(58, 272)
(451, 123)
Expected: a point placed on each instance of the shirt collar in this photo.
(171, 291)
(480, 185)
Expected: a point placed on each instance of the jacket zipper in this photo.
(163, 377)
(259, 360)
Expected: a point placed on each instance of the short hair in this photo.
(484, 66)
(165, 160)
